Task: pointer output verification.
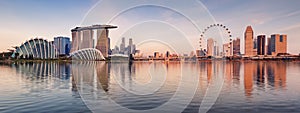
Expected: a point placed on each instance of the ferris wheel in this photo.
(227, 38)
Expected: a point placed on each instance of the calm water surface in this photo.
(248, 86)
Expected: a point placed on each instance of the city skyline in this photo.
(265, 19)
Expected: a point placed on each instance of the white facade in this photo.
(87, 54)
(36, 49)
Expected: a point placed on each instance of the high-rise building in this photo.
(269, 52)
(63, 45)
(103, 41)
(200, 53)
(216, 50)
(210, 46)
(255, 47)
(167, 54)
(83, 38)
(261, 44)
(236, 46)
(122, 46)
(87, 39)
(131, 47)
(249, 41)
(156, 54)
(226, 49)
(130, 42)
(76, 39)
(278, 44)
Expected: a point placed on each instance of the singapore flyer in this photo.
(226, 40)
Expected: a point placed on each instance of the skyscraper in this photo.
(131, 47)
(269, 52)
(87, 39)
(226, 49)
(103, 41)
(236, 46)
(249, 41)
(122, 46)
(156, 54)
(83, 38)
(216, 50)
(254, 47)
(261, 44)
(76, 39)
(167, 54)
(210, 46)
(130, 41)
(278, 44)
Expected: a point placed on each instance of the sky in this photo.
(175, 23)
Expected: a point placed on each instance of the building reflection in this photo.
(109, 78)
(260, 74)
(256, 75)
(276, 72)
(95, 75)
(44, 69)
(253, 75)
(236, 72)
(248, 77)
(264, 73)
(210, 71)
(103, 72)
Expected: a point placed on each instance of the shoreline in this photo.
(154, 60)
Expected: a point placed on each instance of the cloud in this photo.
(291, 27)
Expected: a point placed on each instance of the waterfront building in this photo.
(226, 49)
(210, 46)
(167, 54)
(36, 49)
(200, 53)
(83, 37)
(236, 46)
(278, 44)
(255, 47)
(249, 42)
(269, 51)
(216, 50)
(123, 49)
(63, 45)
(261, 44)
(131, 47)
(87, 39)
(103, 41)
(156, 55)
(91, 54)
(116, 50)
(122, 46)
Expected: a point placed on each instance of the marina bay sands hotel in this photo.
(95, 36)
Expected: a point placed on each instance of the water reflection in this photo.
(249, 74)
(113, 78)
(262, 74)
(38, 87)
(44, 69)
(244, 81)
